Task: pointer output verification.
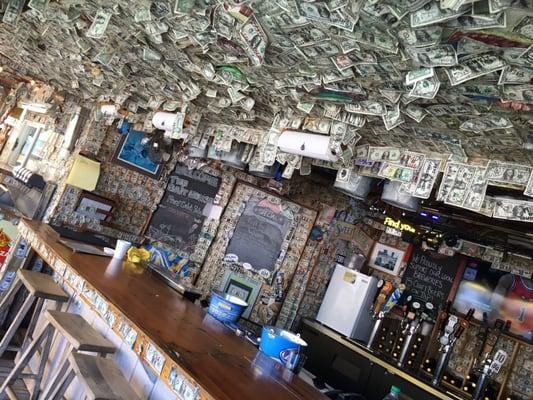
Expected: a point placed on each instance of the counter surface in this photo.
(359, 349)
(221, 363)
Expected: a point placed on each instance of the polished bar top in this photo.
(223, 365)
(363, 351)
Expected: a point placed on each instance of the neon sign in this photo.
(399, 225)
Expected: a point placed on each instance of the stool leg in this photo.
(6, 300)
(15, 324)
(42, 365)
(55, 379)
(31, 328)
(25, 359)
(61, 388)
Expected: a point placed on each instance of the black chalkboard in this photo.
(259, 234)
(429, 276)
(179, 217)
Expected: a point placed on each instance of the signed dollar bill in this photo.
(99, 25)
(508, 173)
(512, 209)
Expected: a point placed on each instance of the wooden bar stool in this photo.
(100, 378)
(41, 287)
(80, 336)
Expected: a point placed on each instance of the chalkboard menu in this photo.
(259, 235)
(179, 217)
(429, 276)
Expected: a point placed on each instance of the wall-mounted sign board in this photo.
(179, 217)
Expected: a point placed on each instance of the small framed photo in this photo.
(131, 154)
(385, 258)
(244, 288)
(95, 207)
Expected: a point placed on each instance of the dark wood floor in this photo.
(20, 389)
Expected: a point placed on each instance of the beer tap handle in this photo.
(463, 324)
(443, 316)
(382, 297)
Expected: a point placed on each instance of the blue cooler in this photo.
(225, 307)
(281, 345)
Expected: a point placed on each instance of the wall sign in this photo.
(259, 234)
(429, 276)
(179, 217)
(397, 224)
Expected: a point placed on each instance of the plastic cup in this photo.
(121, 249)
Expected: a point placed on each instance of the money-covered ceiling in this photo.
(439, 77)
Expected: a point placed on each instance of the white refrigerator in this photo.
(347, 303)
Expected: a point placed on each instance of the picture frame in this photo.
(130, 154)
(244, 288)
(95, 207)
(386, 259)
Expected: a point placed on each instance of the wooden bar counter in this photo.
(175, 337)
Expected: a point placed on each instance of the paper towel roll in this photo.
(108, 110)
(164, 120)
(306, 144)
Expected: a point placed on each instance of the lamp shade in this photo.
(392, 195)
(356, 186)
(306, 144)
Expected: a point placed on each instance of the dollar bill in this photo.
(426, 89)
(392, 118)
(256, 41)
(525, 27)
(496, 6)
(529, 187)
(486, 123)
(418, 75)
(12, 11)
(351, 137)
(427, 176)
(353, 88)
(512, 75)
(436, 56)
(514, 210)
(474, 23)
(383, 154)
(396, 172)
(487, 207)
(307, 35)
(518, 93)
(474, 66)
(371, 169)
(183, 6)
(38, 5)
(441, 110)
(354, 120)
(361, 154)
(481, 90)
(343, 175)
(317, 125)
(475, 194)
(415, 112)
(374, 38)
(142, 14)
(423, 37)
(306, 107)
(367, 107)
(319, 12)
(508, 173)
(462, 183)
(431, 13)
(412, 159)
(343, 61)
(99, 25)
